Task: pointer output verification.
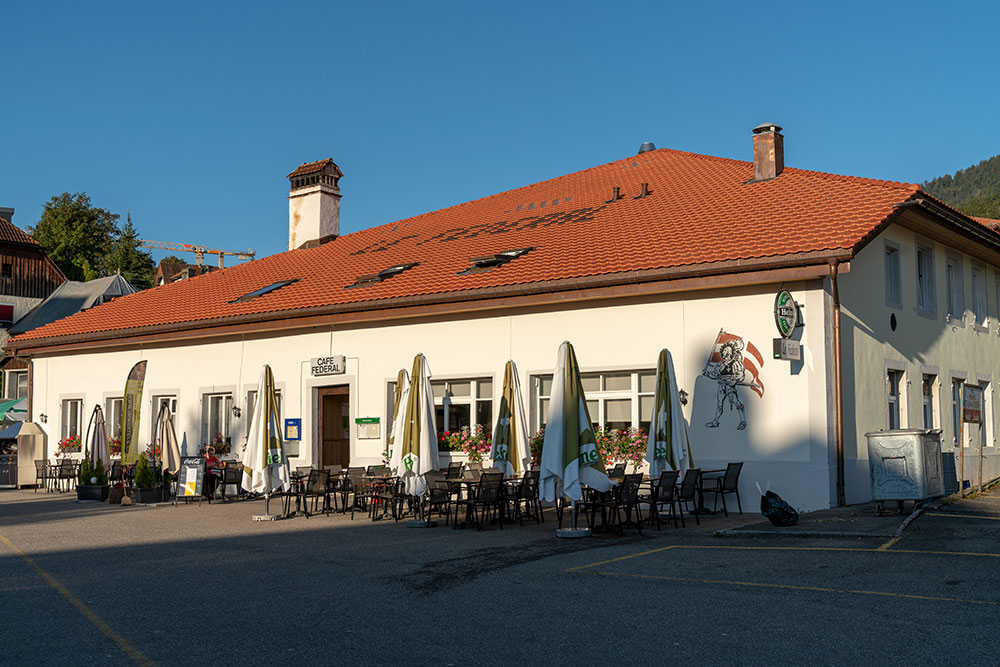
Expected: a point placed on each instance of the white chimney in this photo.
(313, 204)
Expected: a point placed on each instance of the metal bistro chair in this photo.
(664, 493)
(231, 474)
(67, 473)
(488, 496)
(438, 495)
(115, 475)
(361, 488)
(688, 493)
(316, 488)
(527, 495)
(625, 497)
(618, 472)
(454, 470)
(729, 483)
(41, 473)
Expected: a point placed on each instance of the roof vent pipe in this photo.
(646, 147)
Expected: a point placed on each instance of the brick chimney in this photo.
(768, 152)
(313, 204)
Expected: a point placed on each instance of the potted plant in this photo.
(70, 445)
(146, 489)
(92, 483)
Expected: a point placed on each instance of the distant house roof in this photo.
(656, 216)
(170, 272)
(12, 234)
(70, 298)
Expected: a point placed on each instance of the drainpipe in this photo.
(838, 385)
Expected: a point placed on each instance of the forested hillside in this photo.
(974, 191)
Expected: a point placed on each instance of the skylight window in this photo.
(381, 276)
(250, 296)
(490, 262)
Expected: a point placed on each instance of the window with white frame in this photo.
(893, 287)
(986, 427)
(216, 411)
(462, 404)
(978, 278)
(928, 394)
(956, 410)
(158, 402)
(615, 399)
(926, 298)
(17, 384)
(72, 417)
(894, 388)
(113, 416)
(955, 288)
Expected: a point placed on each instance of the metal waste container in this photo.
(905, 464)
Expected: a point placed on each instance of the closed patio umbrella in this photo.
(667, 447)
(265, 468)
(395, 454)
(570, 458)
(418, 442)
(170, 451)
(97, 439)
(509, 450)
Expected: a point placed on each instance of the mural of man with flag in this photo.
(730, 368)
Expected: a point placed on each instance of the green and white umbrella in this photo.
(418, 448)
(265, 467)
(170, 451)
(14, 410)
(667, 447)
(509, 450)
(394, 453)
(570, 458)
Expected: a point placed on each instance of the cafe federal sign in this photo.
(335, 365)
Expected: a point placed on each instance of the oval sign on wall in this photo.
(786, 313)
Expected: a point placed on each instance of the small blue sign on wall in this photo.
(293, 429)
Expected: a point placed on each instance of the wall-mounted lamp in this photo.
(236, 411)
(44, 417)
(683, 396)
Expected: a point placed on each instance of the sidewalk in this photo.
(851, 521)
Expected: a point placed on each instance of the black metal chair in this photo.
(664, 492)
(315, 487)
(623, 497)
(438, 495)
(728, 483)
(454, 470)
(231, 474)
(688, 493)
(115, 475)
(361, 491)
(41, 473)
(527, 497)
(487, 497)
(67, 473)
(618, 472)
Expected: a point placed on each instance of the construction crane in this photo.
(199, 251)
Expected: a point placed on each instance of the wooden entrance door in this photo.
(335, 426)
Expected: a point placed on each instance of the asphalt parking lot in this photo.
(206, 585)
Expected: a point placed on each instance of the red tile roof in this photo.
(11, 234)
(700, 209)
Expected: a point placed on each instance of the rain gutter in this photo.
(838, 399)
(695, 277)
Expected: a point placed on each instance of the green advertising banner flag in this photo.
(130, 413)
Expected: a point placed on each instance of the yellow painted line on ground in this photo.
(885, 547)
(963, 516)
(791, 587)
(620, 558)
(127, 647)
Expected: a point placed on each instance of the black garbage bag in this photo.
(777, 510)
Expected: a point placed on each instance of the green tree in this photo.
(76, 234)
(125, 257)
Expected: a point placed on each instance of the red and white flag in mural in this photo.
(727, 355)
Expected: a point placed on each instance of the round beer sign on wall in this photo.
(786, 313)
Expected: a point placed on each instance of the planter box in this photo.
(93, 492)
(117, 493)
(148, 496)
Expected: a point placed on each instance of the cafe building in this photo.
(802, 309)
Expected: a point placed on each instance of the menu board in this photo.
(190, 477)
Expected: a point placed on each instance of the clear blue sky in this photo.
(191, 114)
